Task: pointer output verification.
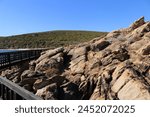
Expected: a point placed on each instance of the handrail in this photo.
(12, 91)
(7, 59)
(8, 89)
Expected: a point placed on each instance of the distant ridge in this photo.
(48, 39)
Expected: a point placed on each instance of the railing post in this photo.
(29, 53)
(10, 95)
(7, 93)
(14, 96)
(20, 56)
(9, 61)
(11, 58)
(15, 91)
(2, 91)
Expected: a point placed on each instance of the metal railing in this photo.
(12, 91)
(8, 59)
(8, 89)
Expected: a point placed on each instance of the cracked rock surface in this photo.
(113, 67)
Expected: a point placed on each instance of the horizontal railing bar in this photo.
(31, 50)
(19, 90)
(8, 59)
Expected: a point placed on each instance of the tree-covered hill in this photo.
(49, 39)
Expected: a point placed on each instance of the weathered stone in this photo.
(100, 92)
(76, 79)
(49, 92)
(79, 68)
(116, 66)
(119, 70)
(137, 23)
(70, 91)
(49, 63)
(29, 77)
(93, 63)
(146, 50)
(99, 45)
(78, 65)
(76, 52)
(77, 60)
(107, 60)
(30, 74)
(138, 44)
(147, 35)
(140, 31)
(96, 95)
(40, 83)
(134, 90)
(121, 54)
(82, 78)
(49, 54)
(126, 76)
(113, 34)
(102, 54)
(93, 72)
(52, 72)
(28, 81)
(32, 65)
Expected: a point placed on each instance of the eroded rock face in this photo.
(114, 67)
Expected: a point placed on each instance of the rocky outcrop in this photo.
(113, 67)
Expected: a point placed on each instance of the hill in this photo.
(115, 67)
(51, 39)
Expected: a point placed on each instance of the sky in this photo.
(27, 16)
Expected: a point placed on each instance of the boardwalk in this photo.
(8, 59)
(11, 91)
(8, 89)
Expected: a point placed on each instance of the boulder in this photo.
(31, 74)
(49, 92)
(137, 23)
(49, 63)
(40, 83)
(29, 77)
(100, 45)
(77, 52)
(140, 31)
(49, 53)
(77, 65)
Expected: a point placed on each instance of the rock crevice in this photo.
(116, 66)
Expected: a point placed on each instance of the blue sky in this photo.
(26, 16)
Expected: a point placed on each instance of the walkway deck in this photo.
(8, 89)
(8, 59)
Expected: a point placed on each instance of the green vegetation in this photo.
(50, 39)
